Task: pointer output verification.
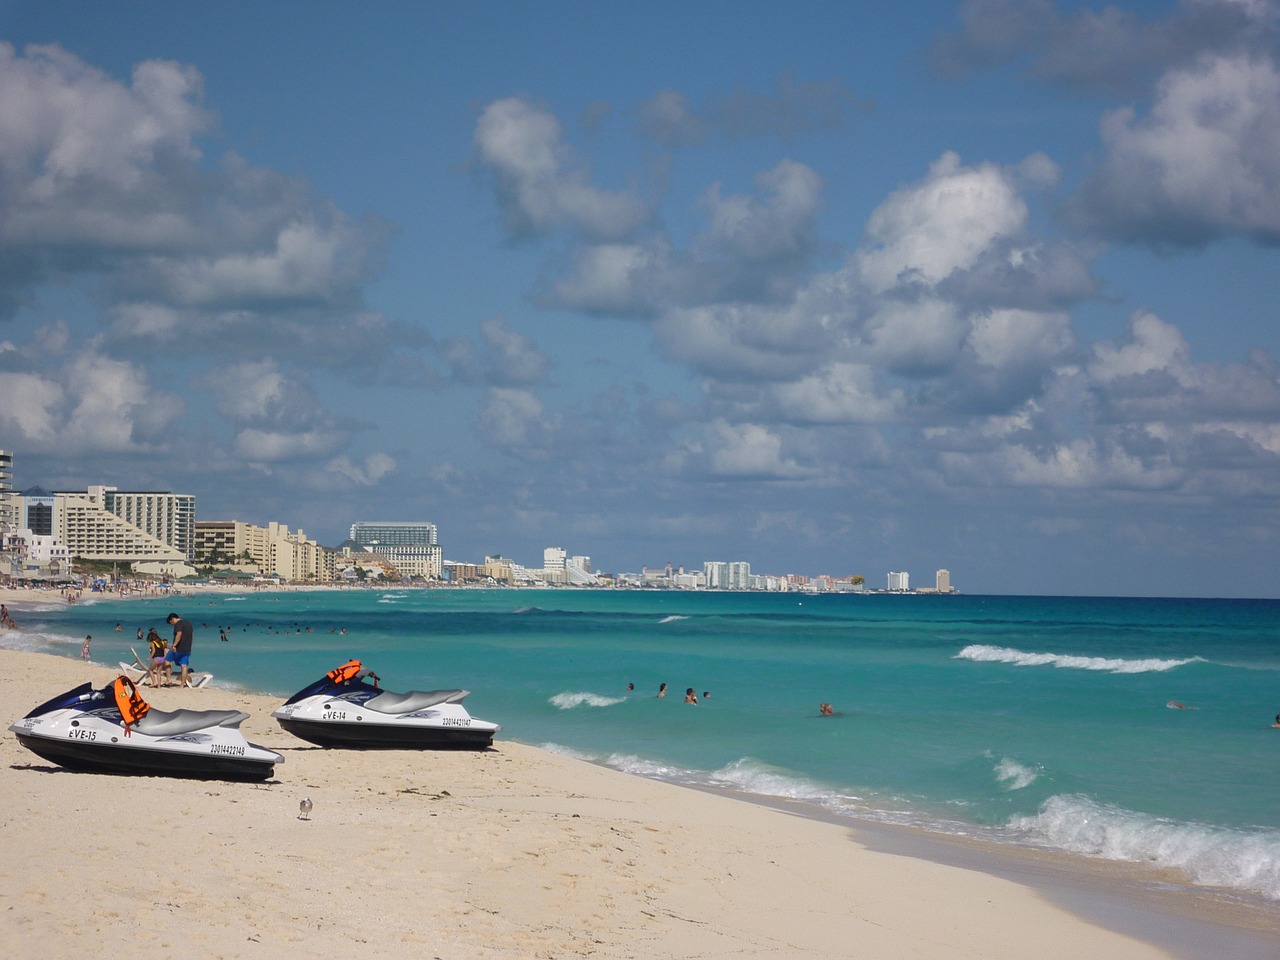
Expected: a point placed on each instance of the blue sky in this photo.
(988, 286)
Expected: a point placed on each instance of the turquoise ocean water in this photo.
(1028, 720)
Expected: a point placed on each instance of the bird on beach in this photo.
(304, 809)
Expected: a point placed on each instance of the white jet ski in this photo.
(113, 730)
(342, 709)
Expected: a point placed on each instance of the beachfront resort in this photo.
(157, 534)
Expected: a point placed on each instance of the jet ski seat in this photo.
(397, 703)
(172, 723)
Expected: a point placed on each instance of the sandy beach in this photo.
(515, 852)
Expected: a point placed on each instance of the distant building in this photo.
(153, 531)
(272, 549)
(411, 546)
(34, 511)
(942, 581)
(6, 471)
(899, 582)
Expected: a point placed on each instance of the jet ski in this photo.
(344, 709)
(113, 730)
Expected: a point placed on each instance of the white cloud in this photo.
(64, 123)
(28, 408)
(1204, 162)
(1007, 339)
(272, 446)
(89, 404)
(373, 468)
(1152, 346)
(514, 419)
(504, 357)
(247, 392)
(925, 232)
(748, 451)
(541, 184)
(840, 393)
(782, 226)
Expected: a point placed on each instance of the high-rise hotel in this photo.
(410, 546)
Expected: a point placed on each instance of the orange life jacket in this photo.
(132, 707)
(348, 671)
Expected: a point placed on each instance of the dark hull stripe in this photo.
(109, 758)
(369, 736)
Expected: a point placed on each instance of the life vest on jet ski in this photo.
(348, 671)
(132, 707)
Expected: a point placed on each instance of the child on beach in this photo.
(84, 651)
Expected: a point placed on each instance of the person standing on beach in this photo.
(180, 652)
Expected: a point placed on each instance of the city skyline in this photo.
(992, 281)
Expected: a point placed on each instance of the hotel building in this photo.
(273, 549)
(410, 546)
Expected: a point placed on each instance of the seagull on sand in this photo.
(304, 809)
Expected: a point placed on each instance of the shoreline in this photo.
(556, 856)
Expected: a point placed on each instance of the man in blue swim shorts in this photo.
(180, 652)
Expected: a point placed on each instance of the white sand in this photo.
(510, 853)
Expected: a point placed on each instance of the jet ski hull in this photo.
(146, 762)
(386, 736)
(84, 730)
(342, 709)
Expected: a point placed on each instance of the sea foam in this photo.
(987, 654)
(567, 701)
(1015, 775)
(1216, 856)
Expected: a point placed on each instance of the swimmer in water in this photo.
(826, 710)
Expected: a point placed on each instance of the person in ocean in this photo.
(1277, 723)
(690, 696)
(84, 651)
(662, 690)
(826, 710)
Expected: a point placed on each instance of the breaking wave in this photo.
(1015, 775)
(987, 654)
(567, 701)
(1216, 856)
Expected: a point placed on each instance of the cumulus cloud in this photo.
(269, 446)
(366, 473)
(1203, 163)
(540, 183)
(940, 225)
(514, 420)
(105, 183)
(277, 415)
(502, 357)
(752, 248)
(748, 451)
(781, 227)
(87, 404)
